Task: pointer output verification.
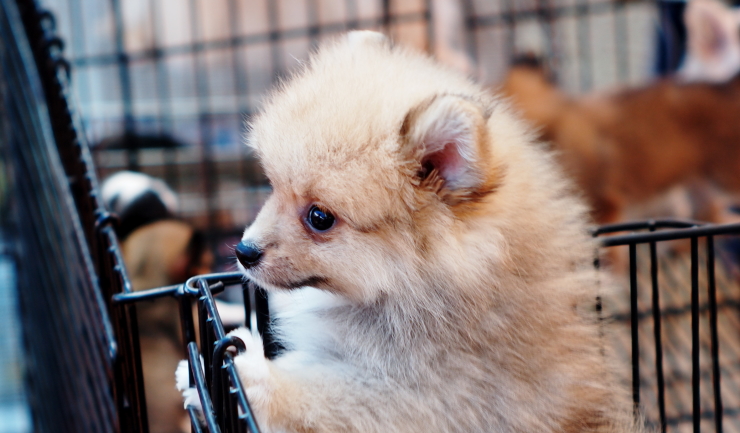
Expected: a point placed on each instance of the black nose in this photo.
(248, 254)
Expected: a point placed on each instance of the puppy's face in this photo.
(363, 200)
(335, 233)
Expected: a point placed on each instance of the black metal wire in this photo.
(712, 294)
(670, 235)
(224, 402)
(544, 11)
(246, 413)
(196, 371)
(430, 33)
(634, 327)
(219, 385)
(657, 335)
(272, 36)
(585, 69)
(386, 15)
(651, 225)
(695, 367)
(674, 230)
(164, 92)
(556, 12)
(508, 17)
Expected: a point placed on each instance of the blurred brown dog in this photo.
(631, 146)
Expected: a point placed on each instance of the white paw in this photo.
(251, 364)
(182, 383)
(254, 372)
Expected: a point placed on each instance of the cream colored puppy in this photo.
(429, 267)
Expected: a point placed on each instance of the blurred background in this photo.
(165, 86)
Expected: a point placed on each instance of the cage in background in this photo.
(165, 86)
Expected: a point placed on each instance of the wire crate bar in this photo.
(674, 230)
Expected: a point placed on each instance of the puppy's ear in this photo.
(445, 139)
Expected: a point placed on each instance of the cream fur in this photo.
(438, 305)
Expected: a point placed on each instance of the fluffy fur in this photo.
(454, 293)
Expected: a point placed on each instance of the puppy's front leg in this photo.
(254, 372)
(294, 394)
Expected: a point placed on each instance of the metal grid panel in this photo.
(81, 377)
(70, 347)
(675, 323)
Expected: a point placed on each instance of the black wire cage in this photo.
(677, 325)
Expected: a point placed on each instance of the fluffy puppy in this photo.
(429, 267)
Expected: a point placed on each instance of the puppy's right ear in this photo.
(445, 139)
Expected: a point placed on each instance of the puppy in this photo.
(429, 268)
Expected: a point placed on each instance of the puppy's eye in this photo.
(319, 219)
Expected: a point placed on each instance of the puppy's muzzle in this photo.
(248, 254)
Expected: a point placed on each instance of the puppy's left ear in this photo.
(446, 139)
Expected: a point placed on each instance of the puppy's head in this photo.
(380, 163)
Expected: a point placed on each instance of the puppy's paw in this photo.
(254, 372)
(252, 364)
(182, 383)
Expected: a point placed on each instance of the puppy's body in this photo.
(453, 290)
